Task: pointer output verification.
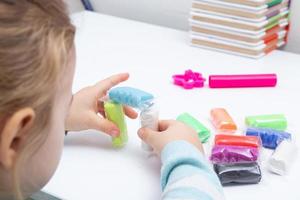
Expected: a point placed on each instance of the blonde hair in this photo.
(36, 38)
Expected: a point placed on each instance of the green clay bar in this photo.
(114, 113)
(203, 132)
(276, 121)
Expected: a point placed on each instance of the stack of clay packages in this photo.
(235, 157)
(251, 28)
(271, 129)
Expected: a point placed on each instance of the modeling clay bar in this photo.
(131, 96)
(203, 132)
(242, 80)
(149, 118)
(238, 140)
(276, 121)
(114, 112)
(239, 173)
(283, 157)
(233, 154)
(270, 138)
(222, 121)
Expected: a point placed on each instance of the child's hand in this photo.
(170, 130)
(86, 107)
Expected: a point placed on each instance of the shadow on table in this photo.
(101, 141)
(89, 138)
(95, 140)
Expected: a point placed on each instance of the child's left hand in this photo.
(86, 107)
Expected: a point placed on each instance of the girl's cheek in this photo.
(44, 163)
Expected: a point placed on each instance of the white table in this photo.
(91, 169)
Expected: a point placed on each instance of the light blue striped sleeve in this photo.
(187, 175)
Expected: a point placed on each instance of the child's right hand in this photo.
(169, 131)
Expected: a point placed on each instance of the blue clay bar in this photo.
(132, 97)
(270, 138)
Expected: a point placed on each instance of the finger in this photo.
(147, 135)
(130, 112)
(104, 85)
(165, 124)
(104, 125)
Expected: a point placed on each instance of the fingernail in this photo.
(114, 133)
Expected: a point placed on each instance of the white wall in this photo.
(294, 37)
(74, 5)
(172, 13)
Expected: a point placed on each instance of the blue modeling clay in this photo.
(132, 97)
(270, 138)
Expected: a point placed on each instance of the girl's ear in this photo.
(13, 134)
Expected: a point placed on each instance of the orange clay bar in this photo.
(222, 121)
(238, 140)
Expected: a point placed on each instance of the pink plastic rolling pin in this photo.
(242, 80)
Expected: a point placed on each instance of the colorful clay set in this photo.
(250, 28)
(235, 157)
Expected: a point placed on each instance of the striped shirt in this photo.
(187, 175)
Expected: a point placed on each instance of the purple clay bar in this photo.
(233, 154)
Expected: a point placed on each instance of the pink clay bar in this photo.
(242, 80)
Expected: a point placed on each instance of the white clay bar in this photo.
(149, 118)
(283, 157)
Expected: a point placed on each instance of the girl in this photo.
(37, 63)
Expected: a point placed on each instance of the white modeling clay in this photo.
(283, 157)
(149, 118)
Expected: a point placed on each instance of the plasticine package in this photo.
(238, 140)
(222, 121)
(274, 121)
(149, 118)
(283, 157)
(114, 112)
(222, 154)
(239, 173)
(203, 132)
(270, 138)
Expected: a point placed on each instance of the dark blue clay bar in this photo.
(239, 173)
(270, 138)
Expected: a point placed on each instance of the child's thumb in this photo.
(103, 125)
(146, 135)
